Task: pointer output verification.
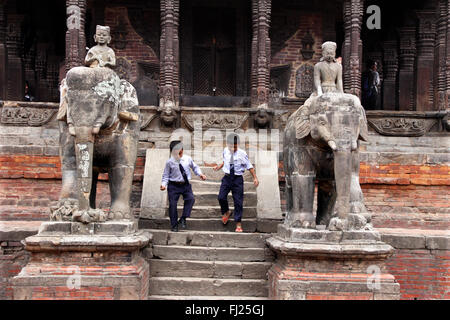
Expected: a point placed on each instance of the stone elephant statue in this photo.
(99, 132)
(321, 143)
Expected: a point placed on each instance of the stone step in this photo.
(214, 186)
(248, 225)
(207, 198)
(209, 239)
(207, 287)
(212, 253)
(204, 212)
(209, 269)
(154, 297)
(217, 176)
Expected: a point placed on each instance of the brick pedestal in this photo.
(75, 261)
(328, 265)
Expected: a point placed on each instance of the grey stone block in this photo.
(438, 242)
(404, 241)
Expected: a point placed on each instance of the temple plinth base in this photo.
(75, 261)
(330, 265)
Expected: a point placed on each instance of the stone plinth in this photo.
(330, 265)
(76, 261)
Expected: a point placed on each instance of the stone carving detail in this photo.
(304, 79)
(307, 46)
(123, 68)
(169, 71)
(352, 48)
(212, 120)
(75, 36)
(321, 142)
(26, 116)
(402, 127)
(99, 122)
(260, 65)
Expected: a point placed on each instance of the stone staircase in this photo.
(209, 260)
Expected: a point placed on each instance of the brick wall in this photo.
(291, 54)
(12, 259)
(136, 50)
(421, 262)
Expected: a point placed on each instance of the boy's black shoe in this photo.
(174, 229)
(182, 223)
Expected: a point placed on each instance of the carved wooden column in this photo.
(447, 57)
(75, 36)
(425, 60)
(406, 73)
(352, 49)
(169, 62)
(15, 81)
(440, 77)
(390, 79)
(3, 51)
(260, 78)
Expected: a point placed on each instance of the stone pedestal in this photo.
(77, 261)
(330, 265)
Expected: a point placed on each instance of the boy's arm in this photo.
(165, 176)
(195, 167)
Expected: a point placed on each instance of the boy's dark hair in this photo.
(233, 138)
(173, 144)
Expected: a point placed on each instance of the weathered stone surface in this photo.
(208, 287)
(405, 241)
(248, 225)
(154, 201)
(209, 253)
(269, 203)
(18, 230)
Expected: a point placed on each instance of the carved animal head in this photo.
(336, 119)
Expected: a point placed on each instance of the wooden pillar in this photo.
(352, 48)
(390, 60)
(440, 77)
(447, 57)
(3, 51)
(15, 73)
(169, 58)
(425, 60)
(406, 72)
(260, 77)
(75, 35)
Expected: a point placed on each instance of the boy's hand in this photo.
(256, 182)
(203, 177)
(216, 168)
(162, 188)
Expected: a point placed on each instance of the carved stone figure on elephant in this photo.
(99, 132)
(321, 145)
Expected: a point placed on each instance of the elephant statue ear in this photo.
(363, 130)
(301, 122)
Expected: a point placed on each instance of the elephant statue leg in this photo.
(326, 200)
(356, 196)
(120, 184)
(301, 214)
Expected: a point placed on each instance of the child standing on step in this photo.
(176, 178)
(235, 162)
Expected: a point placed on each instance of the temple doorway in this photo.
(214, 54)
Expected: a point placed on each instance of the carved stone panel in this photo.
(214, 120)
(33, 116)
(304, 81)
(412, 124)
